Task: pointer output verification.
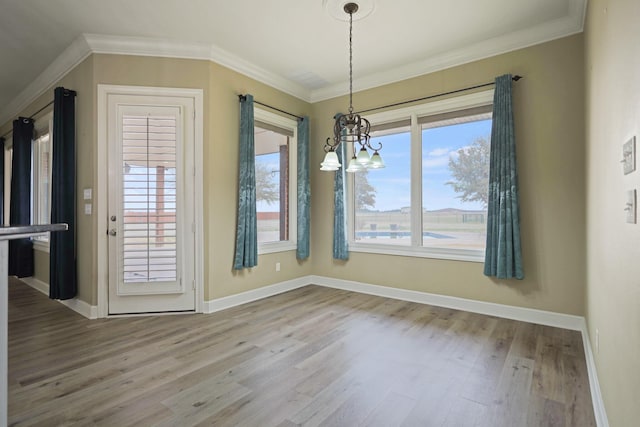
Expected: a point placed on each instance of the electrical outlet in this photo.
(597, 341)
(277, 266)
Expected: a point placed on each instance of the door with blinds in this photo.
(150, 224)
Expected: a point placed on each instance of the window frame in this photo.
(413, 113)
(42, 126)
(291, 125)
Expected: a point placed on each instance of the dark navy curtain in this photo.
(503, 257)
(62, 245)
(21, 250)
(246, 254)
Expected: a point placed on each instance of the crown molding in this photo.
(140, 46)
(496, 46)
(73, 55)
(274, 80)
(119, 45)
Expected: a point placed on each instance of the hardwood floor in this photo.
(313, 357)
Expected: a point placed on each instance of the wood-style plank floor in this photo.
(310, 357)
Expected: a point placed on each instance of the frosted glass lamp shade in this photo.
(363, 157)
(331, 162)
(376, 161)
(354, 166)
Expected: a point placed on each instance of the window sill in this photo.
(41, 245)
(270, 248)
(467, 255)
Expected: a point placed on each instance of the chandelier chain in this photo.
(350, 63)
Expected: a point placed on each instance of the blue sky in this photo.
(439, 144)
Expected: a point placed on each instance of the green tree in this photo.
(267, 188)
(365, 192)
(470, 172)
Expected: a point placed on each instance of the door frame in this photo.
(101, 197)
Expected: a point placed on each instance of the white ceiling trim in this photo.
(119, 45)
(71, 57)
(140, 46)
(543, 33)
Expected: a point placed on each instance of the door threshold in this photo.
(152, 313)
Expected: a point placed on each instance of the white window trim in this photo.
(268, 117)
(477, 99)
(42, 126)
(8, 154)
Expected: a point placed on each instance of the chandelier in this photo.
(351, 128)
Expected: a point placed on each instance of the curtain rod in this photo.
(514, 78)
(67, 92)
(242, 98)
(30, 117)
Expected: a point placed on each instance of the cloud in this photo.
(438, 152)
(437, 158)
(434, 163)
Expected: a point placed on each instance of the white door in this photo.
(151, 204)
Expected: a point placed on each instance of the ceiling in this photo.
(294, 45)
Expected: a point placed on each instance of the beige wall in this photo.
(41, 265)
(548, 105)
(613, 267)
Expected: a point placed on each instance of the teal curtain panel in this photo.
(340, 242)
(21, 250)
(246, 255)
(304, 190)
(503, 257)
(63, 282)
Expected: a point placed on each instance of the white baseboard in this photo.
(549, 318)
(223, 303)
(594, 384)
(36, 284)
(75, 304)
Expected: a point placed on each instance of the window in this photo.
(41, 176)
(275, 150)
(431, 199)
